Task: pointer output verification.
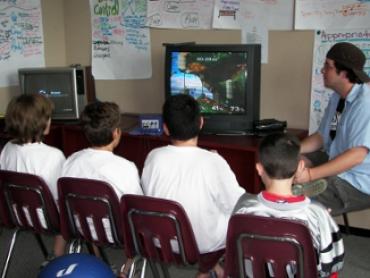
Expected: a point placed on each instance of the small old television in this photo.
(224, 79)
(64, 86)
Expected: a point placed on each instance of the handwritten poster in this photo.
(235, 14)
(194, 14)
(323, 41)
(120, 40)
(21, 38)
(257, 34)
(327, 14)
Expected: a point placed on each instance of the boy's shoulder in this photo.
(246, 201)
(319, 209)
(187, 153)
(50, 149)
(46, 146)
(91, 155)
(171, 149)
(39, 146)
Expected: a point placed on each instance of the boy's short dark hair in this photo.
(99, 120)
(279, 154)
(181, 114)
(27, 117)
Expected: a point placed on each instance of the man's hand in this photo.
(303, 177)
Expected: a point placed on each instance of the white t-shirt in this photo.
(202, 182)
(34, 158)
(120, 173)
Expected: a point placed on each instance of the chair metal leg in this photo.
(164, 269)
(133, 269)
(75, 246)
(103, 255)
(90, 248)
(9, 255)
(153, 267)
(42, 245)
(346, 224)
(143, 269)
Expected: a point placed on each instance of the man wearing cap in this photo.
(343, 135)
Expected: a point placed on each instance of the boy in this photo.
(279, 162)
(200, 180)
(27, 120)
(101, 125)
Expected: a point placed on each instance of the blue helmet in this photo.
(77, 266)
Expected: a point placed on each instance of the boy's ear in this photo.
(116, 133)
(260, 169)
(165, 129)
(201, 122)
(47, 128)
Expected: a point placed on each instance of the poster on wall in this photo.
(120, 40)
(257, 34)
(21, 38)
(195, 14)
(328, 14)
(324, 39)
(236, 14)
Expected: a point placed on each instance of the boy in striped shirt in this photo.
(279, 162)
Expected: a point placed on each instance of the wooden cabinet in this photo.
(239, 151)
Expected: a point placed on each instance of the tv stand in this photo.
(239, 151)
(227, 133)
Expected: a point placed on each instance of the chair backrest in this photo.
(159, 229)
(5, 218)
(89, 210)
(268, 247)
(29, 202)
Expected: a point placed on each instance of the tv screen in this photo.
(224, 79)
(64, 86)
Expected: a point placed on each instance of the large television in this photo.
(64, 86)
(223, 78)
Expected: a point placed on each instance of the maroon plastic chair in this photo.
(89, 213)
(160, 232)
(268, 247)
(31, 207)
(5, 218)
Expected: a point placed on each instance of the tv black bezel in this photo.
(226, 123)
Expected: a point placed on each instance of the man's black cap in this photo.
(351, 57)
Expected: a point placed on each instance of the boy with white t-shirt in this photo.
(101, 123)
(200, 180)
(27, 120)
